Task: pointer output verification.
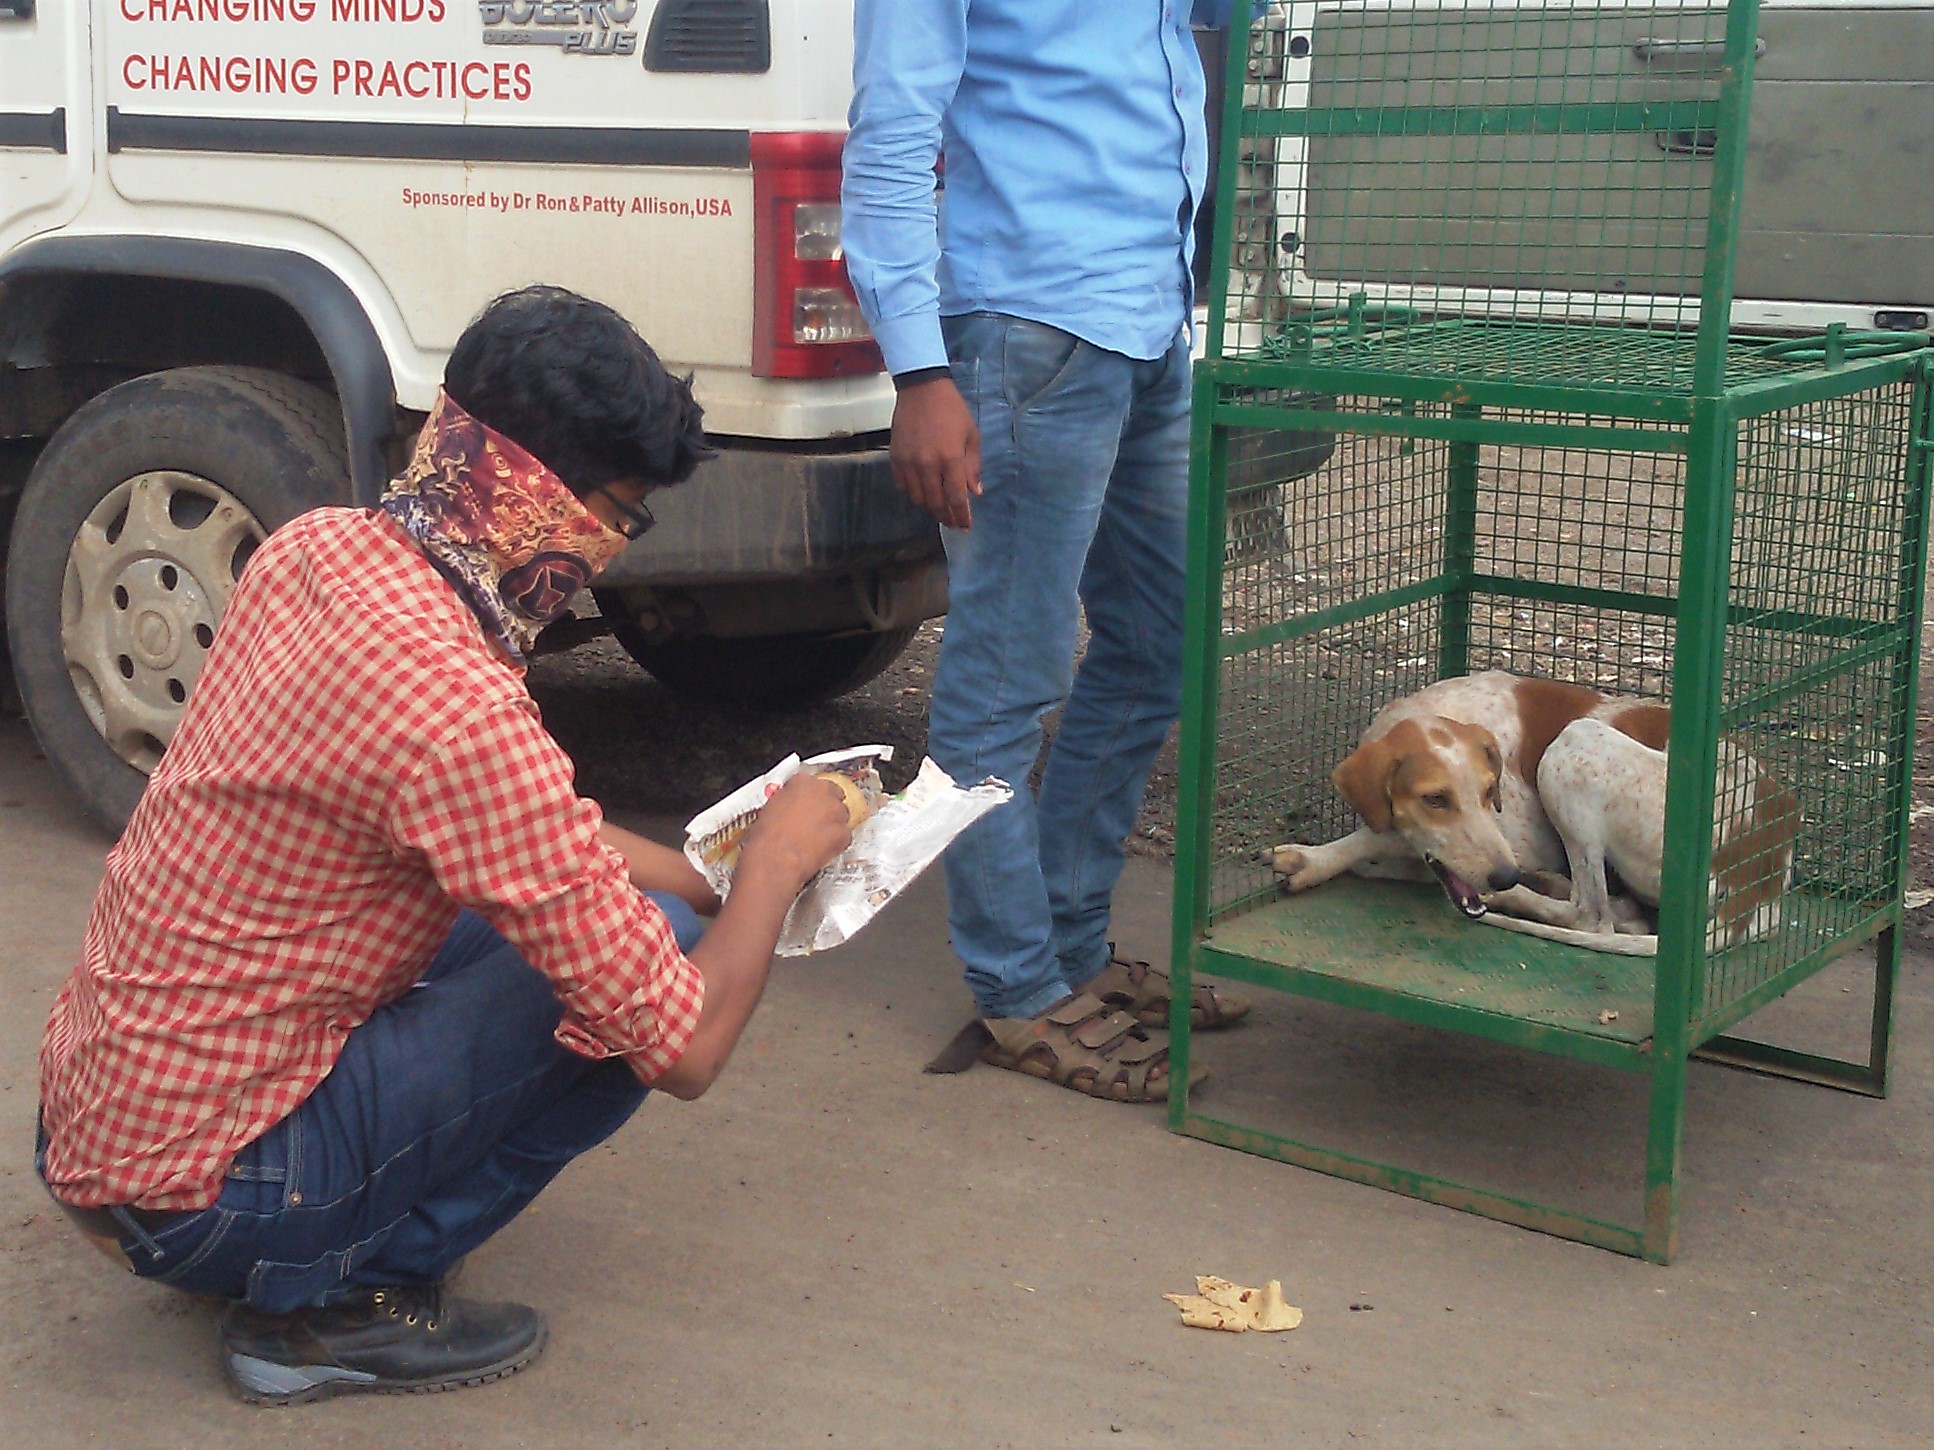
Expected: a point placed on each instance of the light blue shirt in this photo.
(1076, 154)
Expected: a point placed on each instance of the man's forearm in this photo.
(735, 957)
(653, 867)
(797, 832)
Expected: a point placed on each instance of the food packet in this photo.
(896, 838)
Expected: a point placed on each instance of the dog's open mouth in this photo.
(1463, 895)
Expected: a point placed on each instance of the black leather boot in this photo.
(407, 1340)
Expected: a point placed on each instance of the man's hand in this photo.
(797, 832)
(936, 451)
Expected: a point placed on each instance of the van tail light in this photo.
(806, 321)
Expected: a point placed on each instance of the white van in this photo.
(238, 237)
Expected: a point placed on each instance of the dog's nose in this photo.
(1505, 877)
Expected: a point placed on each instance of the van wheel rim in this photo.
(148, 575)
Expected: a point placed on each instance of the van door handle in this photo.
(1688, 54)
(16, 9)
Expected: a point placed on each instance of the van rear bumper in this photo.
(767, 514)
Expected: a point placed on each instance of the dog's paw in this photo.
(1631, 917)
(1547, 883)
(1291, 865)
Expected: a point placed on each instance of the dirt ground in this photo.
(832, 1248)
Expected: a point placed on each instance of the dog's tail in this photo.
(1616, 943)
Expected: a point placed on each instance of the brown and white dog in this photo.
(1496, 784)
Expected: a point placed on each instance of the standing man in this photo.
(366, 972)
(1036, 331)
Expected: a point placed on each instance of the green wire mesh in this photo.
(1534, 197)
(1493, 191)
(1471, 403)
(1348, 587)
(1819, 661)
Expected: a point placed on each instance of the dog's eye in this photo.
(1437, 801)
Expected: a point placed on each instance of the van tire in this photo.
(768, 672)
(219, 457)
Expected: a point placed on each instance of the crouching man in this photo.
(366, 971)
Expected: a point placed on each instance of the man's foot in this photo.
(1143, 992)
(409, 1340)
(1084, 1044)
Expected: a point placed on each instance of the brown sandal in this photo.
(1086, 1045)
(1143, 993)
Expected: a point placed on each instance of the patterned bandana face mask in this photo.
(499, 525)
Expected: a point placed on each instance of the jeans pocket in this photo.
(1035, 360)
(191, 1254)
(267, 1169)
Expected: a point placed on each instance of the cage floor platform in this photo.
(1550, 353)
(1409, 948)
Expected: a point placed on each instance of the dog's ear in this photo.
(1364, 781)
(1482, 740)
(1494, 758)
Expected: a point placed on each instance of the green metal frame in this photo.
(1731, 380)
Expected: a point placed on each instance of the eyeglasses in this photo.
(634, 519)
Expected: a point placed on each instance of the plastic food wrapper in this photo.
(898, 838)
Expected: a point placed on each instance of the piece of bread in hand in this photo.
(859, 786)
(861, 793)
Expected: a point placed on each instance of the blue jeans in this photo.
(447, 1113)
(1084, 478)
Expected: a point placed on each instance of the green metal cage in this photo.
(1553, 456)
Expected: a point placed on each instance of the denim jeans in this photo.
(447, 1113)
(1084, 479)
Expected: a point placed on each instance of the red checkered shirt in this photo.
(355, 765)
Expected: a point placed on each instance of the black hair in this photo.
(572, 382)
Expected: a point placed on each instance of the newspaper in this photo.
(890, 848)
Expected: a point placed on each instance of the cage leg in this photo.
(1880, 1039)
(1201, 698)
(1665, 1132)
(1181, 1037)
(1867, 1078)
